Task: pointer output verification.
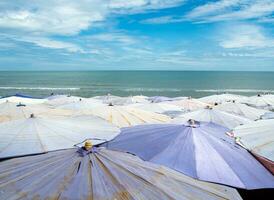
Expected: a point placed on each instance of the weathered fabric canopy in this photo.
(212, 115)
(22, 99)
(221, 98)
(241, 110)
(268, 115)
(121, 101)
(123, 116)
(11, 111)
(38, 135)
(258, 137)
(189, 104)
(261, 101)
(100, 175)
(62, 99)
(158, 99)
(204, 152)
(84, 104)
(157, 107)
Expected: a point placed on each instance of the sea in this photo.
(126, 83)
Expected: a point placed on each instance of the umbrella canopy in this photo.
(11, 111)
(212, 115)
(22, 99)
(84, 104)
(123, 116)
(37, 135)
(221, 98)
(268, 115)
(120, 101)
(241, 110)
(202, 151)
(261, 101)
(62, 99)
(157, 107)
(158, 99)
(100, 175)
(258, 137)
(189, 104)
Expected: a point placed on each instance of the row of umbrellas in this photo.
(211, 147)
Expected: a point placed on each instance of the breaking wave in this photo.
(236, 90)
(37, 88)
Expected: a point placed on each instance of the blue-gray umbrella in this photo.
(99, 174)
(202, 151)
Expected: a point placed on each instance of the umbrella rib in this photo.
(134, 175)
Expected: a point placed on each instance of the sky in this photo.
(137, 35)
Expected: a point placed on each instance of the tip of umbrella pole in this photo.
(192, 123)
(209, 107)
(88, 145)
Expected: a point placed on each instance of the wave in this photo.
(37, 88)
(236, 90)
(152, 90)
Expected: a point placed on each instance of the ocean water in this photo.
(125, 83)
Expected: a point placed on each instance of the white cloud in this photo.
(114, 37)
(226, 10)
(135, 6)
(68, 17)
(163, 20)
(245, 36)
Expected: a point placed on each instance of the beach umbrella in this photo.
(261, 101)
(241, 110)
(212, 115)
(221, 98)
(268, 115)
(158, 99)
(84, 104)
(258, 137)
(189, 104)
(11, 111)
(62, 99)
(37, 135)
(123, 116)
(120, 101)
(202, 151)
(100, 174)
(22, 99)
(157, 107)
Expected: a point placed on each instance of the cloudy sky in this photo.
(137, 35)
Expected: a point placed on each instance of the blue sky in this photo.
(137, 35)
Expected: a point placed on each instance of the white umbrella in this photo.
(62, 99)
(124, 100)
(268, 115)
(123, 116)
(189, 104)
(221, 98)
(157, 107)
(258, 137)
(37, 135)
(212, 115)
(84, 104)
(241, 110)
(261, 101)
(11, 111)
(22, 99)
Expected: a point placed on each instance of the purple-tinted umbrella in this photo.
(202, 151)
(100, 174)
